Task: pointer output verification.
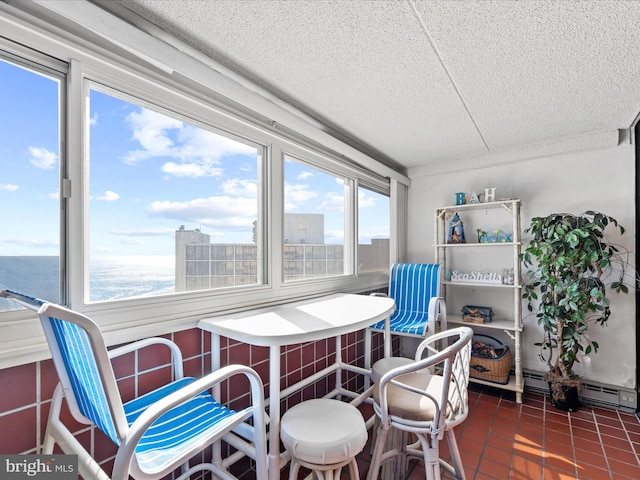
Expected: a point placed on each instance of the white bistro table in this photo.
(299, 322)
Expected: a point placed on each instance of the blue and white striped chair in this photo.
(156, 433)
(415, 287)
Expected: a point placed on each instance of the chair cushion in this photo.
(386, 364)
(407, 322)
(409, 405)
(190, 423)
(323, 431)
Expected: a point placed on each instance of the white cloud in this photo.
(93, 121)
(332, 201)
(149, 130)
(31, 242)
(367, 234)
(191, 170)
(147, 232)
(334, 236)
(240, 187)
(196, 152)
(217, 212)
(42, 158)
(8, 187)
(108, 196)
(296, 194)
(54, 195)
(132, 241)
(364, 200)
(304, 175)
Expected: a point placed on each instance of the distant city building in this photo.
(201, 264)
(373, 257)
(304, 228)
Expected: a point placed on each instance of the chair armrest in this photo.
(155, 411)
(425, 366)
(176, 354)
(437, 310)
(442, 358)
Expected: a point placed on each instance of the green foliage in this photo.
(568, 258)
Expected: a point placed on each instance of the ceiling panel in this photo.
(430, 83)
(543, 70)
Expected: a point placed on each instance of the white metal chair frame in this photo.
(232, 428)
(451, 406)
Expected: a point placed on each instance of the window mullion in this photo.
(75, 223)
(275, 215)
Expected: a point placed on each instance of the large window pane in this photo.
(314, 222)
(373, 231)
(173, 206)
(29, 183)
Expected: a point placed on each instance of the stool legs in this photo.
(324, 472)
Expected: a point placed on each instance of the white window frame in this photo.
(127, 320)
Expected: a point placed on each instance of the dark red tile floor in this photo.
(503, 440)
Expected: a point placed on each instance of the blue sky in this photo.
(29, 176)
(149, 174)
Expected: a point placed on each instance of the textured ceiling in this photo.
(431, 84)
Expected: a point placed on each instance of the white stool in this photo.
(323, 435)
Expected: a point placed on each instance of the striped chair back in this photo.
(412, 285)
(82, 363)
(83, 373)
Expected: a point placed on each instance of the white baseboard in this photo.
(592, 393)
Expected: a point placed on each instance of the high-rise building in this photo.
(201, 264)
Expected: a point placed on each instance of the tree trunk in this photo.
(564, 392)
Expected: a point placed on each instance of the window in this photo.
(314, 222)
(171, 186)
(173, 205)
(373, 231)
(30, 129)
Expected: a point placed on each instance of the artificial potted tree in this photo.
(572, 267)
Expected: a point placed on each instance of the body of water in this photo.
(115, 278)
(111, 278)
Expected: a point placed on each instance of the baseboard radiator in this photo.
(592, 393)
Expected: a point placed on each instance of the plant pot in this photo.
(564, 393)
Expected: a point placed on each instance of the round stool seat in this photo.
(323, 431)
(386, 364)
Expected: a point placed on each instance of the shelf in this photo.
(481, 205)
(450, 254)
(496, 324)
(480, 284)
(477, 244)
(508, 386)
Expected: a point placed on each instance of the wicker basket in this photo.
(491, 369)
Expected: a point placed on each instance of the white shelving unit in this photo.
(485, 258)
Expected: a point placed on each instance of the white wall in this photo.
(600, 180)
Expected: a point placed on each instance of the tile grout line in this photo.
(626, 433)
(512, 453)
(544, 436)
(604, 452)
(493, 422)
(573, 445)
